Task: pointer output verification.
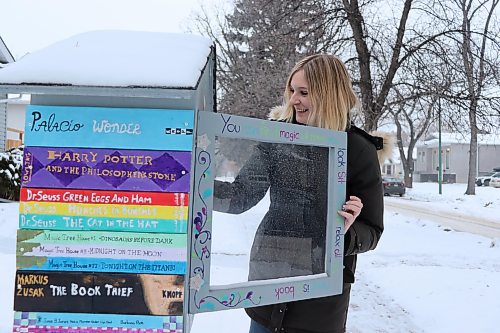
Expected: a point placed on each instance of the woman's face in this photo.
(299, 98)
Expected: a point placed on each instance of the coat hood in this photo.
(382, 140)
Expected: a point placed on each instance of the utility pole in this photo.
(440, 165)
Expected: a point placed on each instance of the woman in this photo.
(290, 238)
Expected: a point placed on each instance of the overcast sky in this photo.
(28, 25)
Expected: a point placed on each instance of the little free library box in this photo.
(123, 155)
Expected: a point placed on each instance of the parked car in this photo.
(495, 180)
(484, 179)
(393, 186)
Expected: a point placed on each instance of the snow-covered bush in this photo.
(10, 173)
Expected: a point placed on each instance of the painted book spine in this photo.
(106, 169)
(101, 237)
(99, 293)
(76, 222)
(157, 129)
(103, 197)
(100, 210)
(82, 322)
(62, 264)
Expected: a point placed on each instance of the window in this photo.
(447, 158)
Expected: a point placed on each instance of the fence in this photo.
(14, 143)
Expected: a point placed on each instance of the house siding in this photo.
(489, 157)
(458, 160)
(3, 123)
(16, 116)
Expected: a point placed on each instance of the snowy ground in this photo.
(423, 277)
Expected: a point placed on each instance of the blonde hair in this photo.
(330, 91)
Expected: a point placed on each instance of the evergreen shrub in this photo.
(10, 173)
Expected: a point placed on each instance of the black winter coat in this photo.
(290, 238)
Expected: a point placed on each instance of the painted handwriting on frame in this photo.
(288, 290)
(341, 176)
(291, 136)
(338, 239)
(341, 158)
(229, 127)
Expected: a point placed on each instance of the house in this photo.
(393, 165)
(5, 55)
(5, 58)
(16, 114)
(455, 156)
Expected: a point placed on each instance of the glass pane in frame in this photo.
(269, 211)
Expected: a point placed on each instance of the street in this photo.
(453, 219)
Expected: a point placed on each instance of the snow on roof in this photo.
(113, 58)
(458, 138)
(396, 158)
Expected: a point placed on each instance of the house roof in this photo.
(396, 158)
(114, 59)
(19, 99)
(458, 138)
(5, 55)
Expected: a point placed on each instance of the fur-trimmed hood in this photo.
(382, 140)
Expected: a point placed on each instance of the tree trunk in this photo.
(473, 161)
(373, 105)
(365, 80)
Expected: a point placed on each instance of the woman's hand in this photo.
(350, 211)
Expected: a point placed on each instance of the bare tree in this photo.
(416, 126)
(374, 91)
(382, 68)
(412, 117)
(258, 43)
(474, 60)
(414, 97)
